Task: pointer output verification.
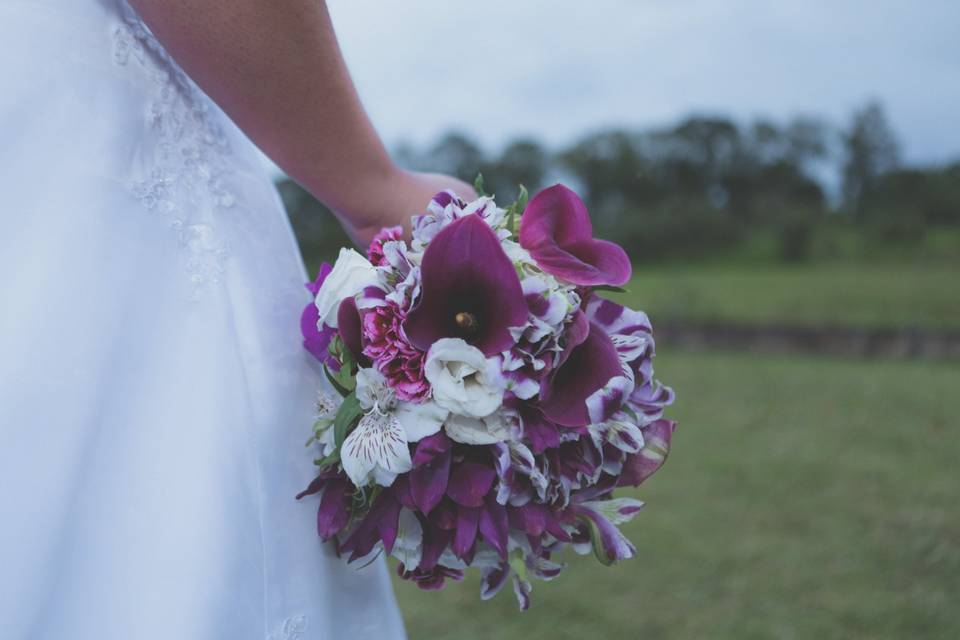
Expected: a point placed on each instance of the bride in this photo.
(153, 389)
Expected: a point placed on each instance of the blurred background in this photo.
(786, 178)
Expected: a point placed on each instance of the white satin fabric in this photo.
(154, 396)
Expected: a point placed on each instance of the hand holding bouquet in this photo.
(487, 401)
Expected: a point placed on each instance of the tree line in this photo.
(705, 185)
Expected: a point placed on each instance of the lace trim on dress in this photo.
(189, 172)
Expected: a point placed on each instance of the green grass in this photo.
(859, 295)
(803, 498)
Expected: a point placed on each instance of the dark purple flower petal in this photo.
(469, 483)
(531, 518)
(470, 290)
(334, 512)
(574, 335)
(494, 526)
(590, 366)
(428, 482)
(430, 447)
(401, 491)
(314, 487)
(435, 540)
(556, 230)
(351, 330)
(380, 524)
(443, 198)
(541, 433)
(429, 579)
(444, 515)
(640, 466)
(467, 520)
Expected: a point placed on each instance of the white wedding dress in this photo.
(154, 395)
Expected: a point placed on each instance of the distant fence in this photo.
(910, 343)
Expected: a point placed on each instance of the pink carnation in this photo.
(394, 357)
(375, 251)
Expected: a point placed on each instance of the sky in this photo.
(558, 69)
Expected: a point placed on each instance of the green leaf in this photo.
(597, 544)
(522, 199)
(606, 287)
(343, 391)
(347, 415)
(478, 185)
(518, 564)
(329, 460)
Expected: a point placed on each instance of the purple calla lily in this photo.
(588, 367)
(470, 290)
(556, 230)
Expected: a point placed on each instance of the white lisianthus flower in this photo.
(420, 420)
(464, 381)
(487, 430)
(351, 274)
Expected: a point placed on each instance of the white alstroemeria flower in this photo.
(486, 430)
(376, 451)
(351, 274)
(418, 420)
(464, 381)
(373, 391)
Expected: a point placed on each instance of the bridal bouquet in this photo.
(488, 401)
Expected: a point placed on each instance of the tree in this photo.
(871, 150)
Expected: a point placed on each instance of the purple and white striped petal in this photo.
(616, 510)
(607, 400)
(609, 544)
(522, 589)
(493, 580)
(641, 466)
(544, 569)
(617, 319)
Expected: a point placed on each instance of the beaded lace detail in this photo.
(187, 182)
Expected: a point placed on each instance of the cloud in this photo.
(556, 69)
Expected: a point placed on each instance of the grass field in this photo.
(804, 498)
(857, 295)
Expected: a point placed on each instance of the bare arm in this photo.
(276, 69)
